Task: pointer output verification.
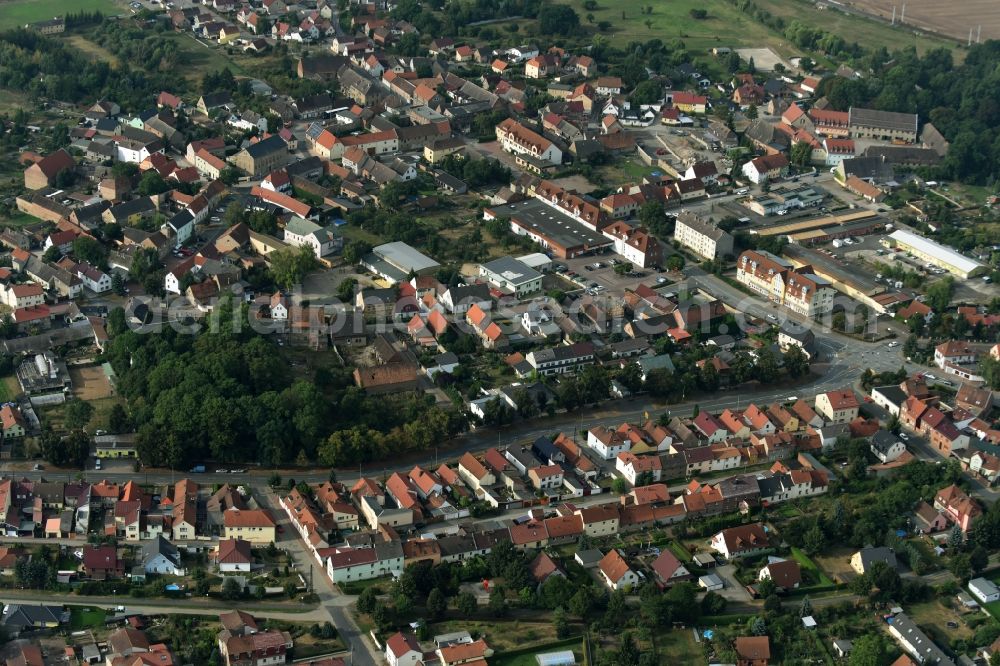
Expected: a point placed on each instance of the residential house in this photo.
(957, 506)
(616, 573)
(840, 406)
(863, 559)
(741, 541)
(403, 650)
(233, 556)
(102, 563)
(752, 650)
(159, 556)
(765, 168)
(886, 446)
(253, 525)
(668, 569)
(785, 574)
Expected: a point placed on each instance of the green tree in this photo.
(118, 421)
(498, 602)
(52, 254)
(979, 559)
(231, 589)
(870, 650)
(466, 604)
(355, 250)
(801, 154)
(619, 486)
(437, 604)
(33, 573)
(675, 262)
(367, 600)
(90, 250)
(795, 361)
(939, 294)
(78, 414)
(556, 19)
(290, 266)
(647, 92)
(751, 112)
(152, 183)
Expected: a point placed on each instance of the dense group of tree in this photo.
(475, 172)
(227, 395)
(51, 68)
(438, 17)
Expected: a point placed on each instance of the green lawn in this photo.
(678, 647)
(725, 25)
(8, 389)
(352, 233)
(806, 563)
(18, 219)
(82, 617)
(680, 551)
(19, 12)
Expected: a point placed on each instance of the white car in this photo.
(792, 398)
(930, 376)
(893, 344)
(903, 436)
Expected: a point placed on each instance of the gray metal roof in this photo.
(404, 257)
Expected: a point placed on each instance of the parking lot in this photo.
(596, 273)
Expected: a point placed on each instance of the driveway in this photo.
(734, 590)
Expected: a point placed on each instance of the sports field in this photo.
(726, 26)
(15, 13)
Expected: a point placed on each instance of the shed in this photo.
(711, 582)
(842, 647)
(536, 260)
(588, 559)
(984, 590)
(704, 559)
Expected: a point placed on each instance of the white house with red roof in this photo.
(631, 466)
(403, 650)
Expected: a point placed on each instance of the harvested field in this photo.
(951, 19)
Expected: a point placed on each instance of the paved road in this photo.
(193, 606)
(334, 604)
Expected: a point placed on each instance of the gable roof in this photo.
(614, 566)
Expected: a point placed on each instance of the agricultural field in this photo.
(15, 13)
(952, 19)
(855, 28)
(726, 26)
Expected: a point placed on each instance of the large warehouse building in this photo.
(397, 261)
(934, 253)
